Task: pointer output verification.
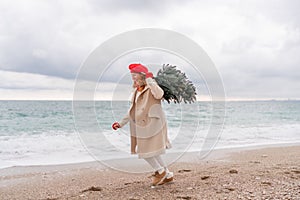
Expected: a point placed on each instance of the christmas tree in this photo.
(175, 84)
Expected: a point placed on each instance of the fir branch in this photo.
(175, 84)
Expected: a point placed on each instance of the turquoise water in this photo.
(44, 132)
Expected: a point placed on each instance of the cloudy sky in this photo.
(254, 44)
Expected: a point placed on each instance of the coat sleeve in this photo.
(124, 121)
(156, 91)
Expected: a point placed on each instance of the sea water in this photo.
(47, 132)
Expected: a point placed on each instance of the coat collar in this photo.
(135, 93)
(145, 88)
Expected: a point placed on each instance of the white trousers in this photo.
(157, 163)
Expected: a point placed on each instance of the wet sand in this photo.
(264, 173)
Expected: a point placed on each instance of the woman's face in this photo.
(136, 77)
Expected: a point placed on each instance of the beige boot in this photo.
(169, 178)
(158, 178)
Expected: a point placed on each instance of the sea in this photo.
(54, 132)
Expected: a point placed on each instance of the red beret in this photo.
(137, 68)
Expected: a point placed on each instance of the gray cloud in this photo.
(286, 12)
(135, 6)
(255, 44)
(33, 41)
(54, 38)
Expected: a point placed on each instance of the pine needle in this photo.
(175, 84)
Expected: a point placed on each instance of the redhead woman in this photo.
(148, 127)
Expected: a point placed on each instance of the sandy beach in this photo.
(263, 173)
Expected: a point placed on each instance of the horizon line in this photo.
(225, 100)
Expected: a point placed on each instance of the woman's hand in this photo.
(116, 125)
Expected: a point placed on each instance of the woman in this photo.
(148, 127)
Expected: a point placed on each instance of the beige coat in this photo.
(148, 127)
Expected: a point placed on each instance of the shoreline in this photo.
(264, 172)
(217, 153)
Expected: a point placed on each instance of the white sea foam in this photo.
(41, 149)
(61, 148)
